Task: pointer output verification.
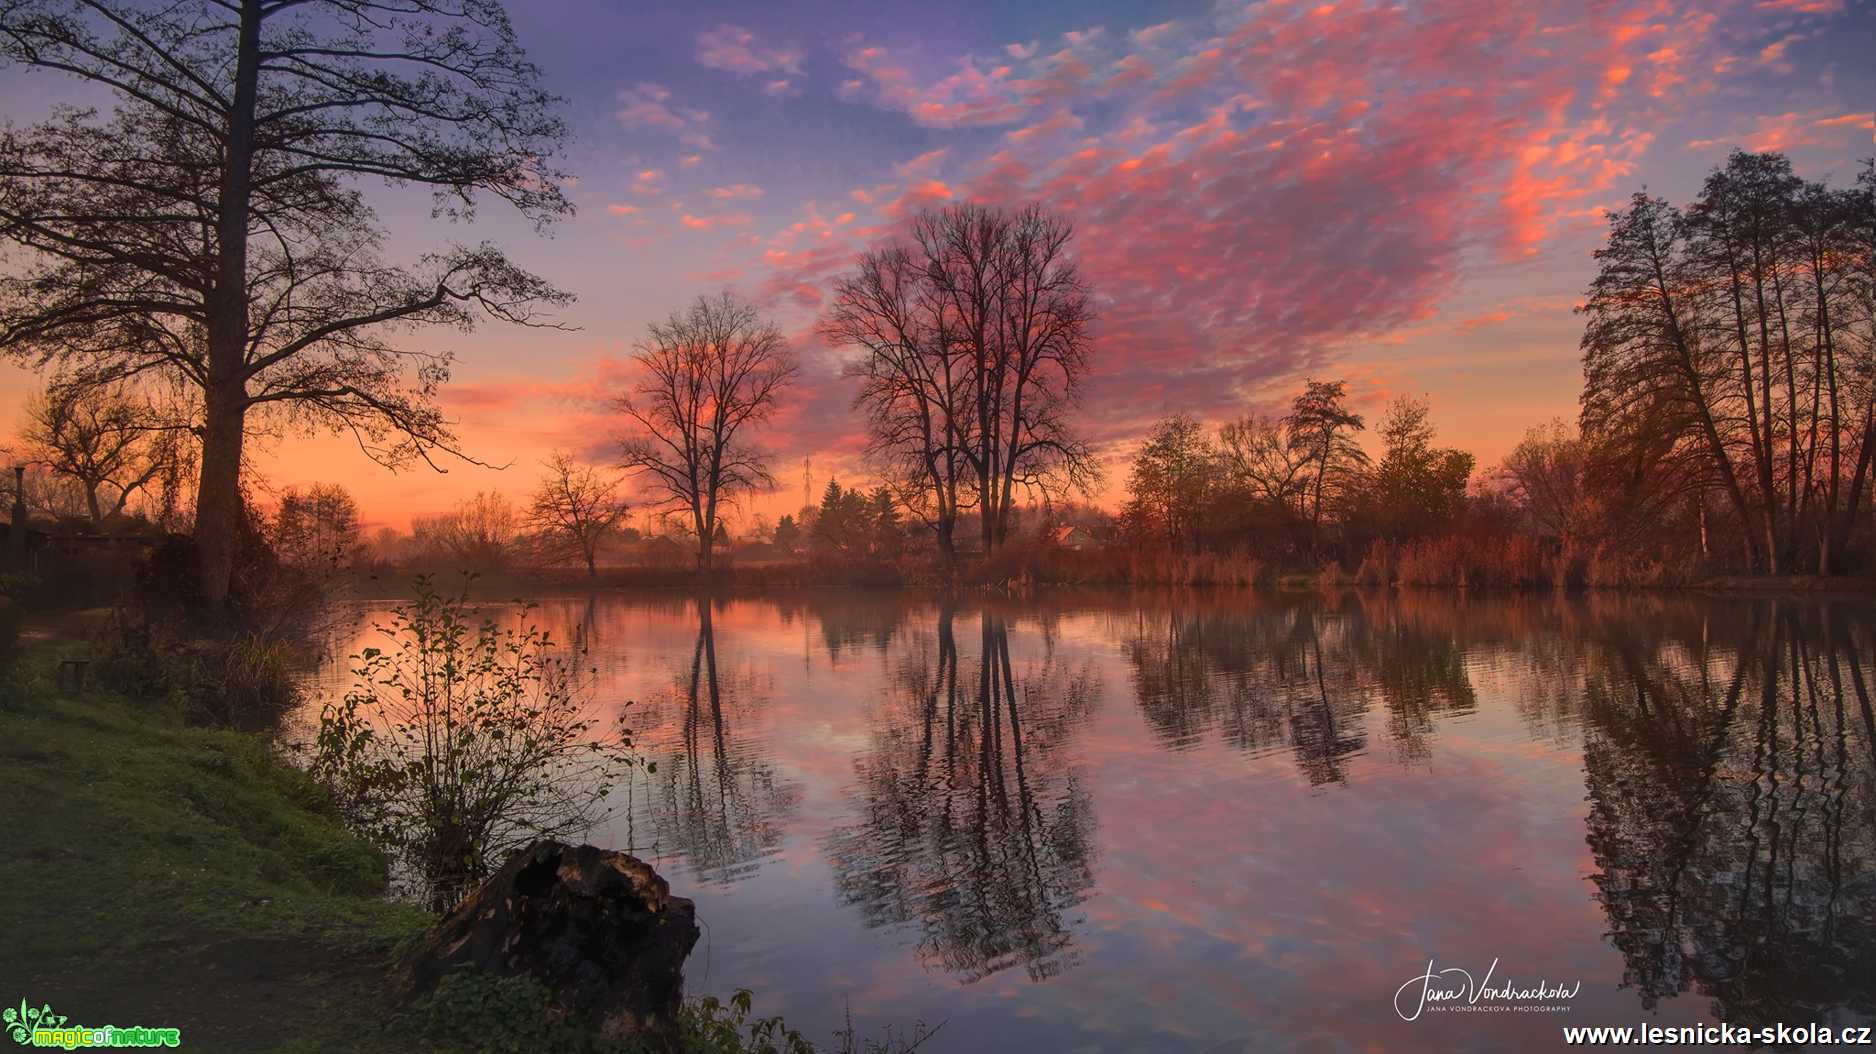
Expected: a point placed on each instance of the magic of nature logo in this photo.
(39, 1026)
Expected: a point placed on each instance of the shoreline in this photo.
(791, 578)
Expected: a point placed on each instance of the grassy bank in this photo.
(180, 877)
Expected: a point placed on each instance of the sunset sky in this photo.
(1405, 195)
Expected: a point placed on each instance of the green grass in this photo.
(144, 858)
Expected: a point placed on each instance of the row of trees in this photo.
(206, 240)
(1729, 407)
(973, 335)
(1288, 481)
(1730, 350)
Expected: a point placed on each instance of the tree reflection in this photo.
(1295, 676)
(720, 802)
(1731, 812)
(975, 826)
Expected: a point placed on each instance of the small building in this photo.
(665, 553)
(1071, 536)
(758, 552)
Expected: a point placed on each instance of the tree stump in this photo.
(600, 929)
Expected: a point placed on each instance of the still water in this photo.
(1203, 822)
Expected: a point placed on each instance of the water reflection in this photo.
(1271, 805)
(723, 803)
(1297, 676)
(974, 825)
(1731, 813)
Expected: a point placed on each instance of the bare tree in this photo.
(208, 228)
(1021, 311)
(706, 378)
(479, 533)
(110, 443)
(1262, 456)
(977, 340)
(1175, 477)
(316, 527)
(575, 508)
(1545, 476)
(914, 386)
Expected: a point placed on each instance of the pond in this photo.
(1225, 822)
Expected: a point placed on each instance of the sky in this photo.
(1403, 195)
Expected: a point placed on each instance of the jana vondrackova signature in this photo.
(1456, 985)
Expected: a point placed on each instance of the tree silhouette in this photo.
(208, 229)
(707, 378)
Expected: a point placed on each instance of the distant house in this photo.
(758, 552)
(663, 552)
(1069, 536)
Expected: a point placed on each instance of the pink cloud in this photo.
(1792, 131)
(708, 223)
(648, 181)
(736, 190)
(969, 96)
(1294, 181)
(734, 49)
(648, 105)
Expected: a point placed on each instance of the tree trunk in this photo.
(947, 547)
(218, 509)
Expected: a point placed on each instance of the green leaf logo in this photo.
(21, 1022)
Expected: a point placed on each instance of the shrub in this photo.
(462, 742)
(1377, 567)
(246, 681)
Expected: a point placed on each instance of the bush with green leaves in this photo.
(464, 739)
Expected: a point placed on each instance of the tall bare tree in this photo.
(576, 507)
(706, 378)
(915, 386)
(1022, 312)
(977, 340)
(208, 227)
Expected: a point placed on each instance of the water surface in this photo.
(1204, 822)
